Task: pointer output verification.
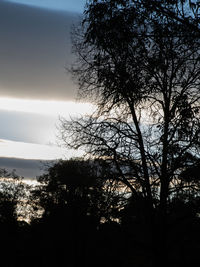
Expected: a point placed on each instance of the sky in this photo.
(68, 5)
(35, 88)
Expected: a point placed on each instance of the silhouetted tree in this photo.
(139, 62)
(76, 198)
(12, 209)
(12, 197)
(76, 180)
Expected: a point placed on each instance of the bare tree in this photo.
(139, 62)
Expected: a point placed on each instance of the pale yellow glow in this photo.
(23, 150)
(44, 107)
(31, 182)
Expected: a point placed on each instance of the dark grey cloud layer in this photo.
(35, 47)
(25, 167)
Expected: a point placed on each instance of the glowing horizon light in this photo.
(46, 107)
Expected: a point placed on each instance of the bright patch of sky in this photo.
(45, 107)
(31, 127)
(68, 5)
(23, 150)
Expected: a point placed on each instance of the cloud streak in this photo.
(36, 121)
(26, 168)
(53, 108)
(27, 127)
(12, 149)
(70, 5)
(35, 47)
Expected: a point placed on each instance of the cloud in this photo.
(35, 47)
(36, 121)
(24, 167)
(26, 127)
(44, 107)
(69, 5)
(23, 150)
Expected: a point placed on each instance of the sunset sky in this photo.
(35, 88)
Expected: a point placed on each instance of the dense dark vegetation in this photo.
(134, 199)
(80, 217)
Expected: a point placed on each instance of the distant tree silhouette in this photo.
(76, 198)
(76, 180)
(139, 62)
(12, 207)
(11, 195)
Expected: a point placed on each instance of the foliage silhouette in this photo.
(12, 197)
(139, 62)
(76, 198)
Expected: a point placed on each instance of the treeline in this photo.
(79, 215)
